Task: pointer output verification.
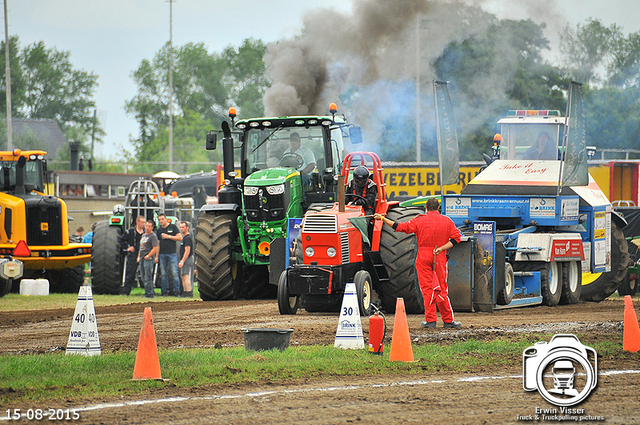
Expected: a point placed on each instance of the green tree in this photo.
(624, 69)
(188, 137)
(205, 84)
(589, 47)
(198, 87)
(609, 64)
(246, 75)
(18, 85)
(45, 85)
(612, 118)
(497, 70)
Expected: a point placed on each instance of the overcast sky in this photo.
(111, 38)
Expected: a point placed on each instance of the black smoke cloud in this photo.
(367, 62)
(337, 50)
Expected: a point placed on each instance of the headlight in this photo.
(250, 190)
(275, 190)
(331, 252)
(309, 252)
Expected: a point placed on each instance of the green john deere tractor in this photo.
(287, 165)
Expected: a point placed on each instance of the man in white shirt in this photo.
(302, 152)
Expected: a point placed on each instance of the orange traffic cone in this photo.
(401, 349)
(147, 362)
(631, 335)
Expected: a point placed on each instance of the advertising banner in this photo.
(447, 137)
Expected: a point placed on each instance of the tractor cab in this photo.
(531, 134)
(23, 171)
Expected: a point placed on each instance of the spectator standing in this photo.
(130, 243)
(186, 259)
(435, 234)
(88, 238)
(168, 235)
(78, 236)
(146, 257)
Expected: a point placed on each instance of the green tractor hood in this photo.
(270, 176)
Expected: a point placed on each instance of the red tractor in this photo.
(330, 252)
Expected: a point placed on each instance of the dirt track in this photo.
(394, 399)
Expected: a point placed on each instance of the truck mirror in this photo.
(212, 139)
(355, 134)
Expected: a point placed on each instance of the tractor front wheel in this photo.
(287, 303)
(255, 284)
(364, 290)
(551, 277)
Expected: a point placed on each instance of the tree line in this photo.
(46, 85)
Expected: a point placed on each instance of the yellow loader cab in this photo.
(34, 226)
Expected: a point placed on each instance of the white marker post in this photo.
(349, 333)
(83, 338)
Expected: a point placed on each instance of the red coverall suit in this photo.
(432, 229)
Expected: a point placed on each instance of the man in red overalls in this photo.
(435, 234)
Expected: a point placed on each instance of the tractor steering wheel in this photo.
(292, 159)
(357, 197)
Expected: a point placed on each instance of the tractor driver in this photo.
(363, 186)
(544, 148)
(302, 153)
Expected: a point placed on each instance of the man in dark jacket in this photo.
(361, 190)
(130, 243)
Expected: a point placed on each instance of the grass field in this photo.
(17, 302)
(57, 376)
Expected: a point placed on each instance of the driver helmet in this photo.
(361, 175)
(118, 209)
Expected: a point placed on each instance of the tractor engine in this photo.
(331, 252)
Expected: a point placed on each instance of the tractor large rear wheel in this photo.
(607, 283)
(399, 251)
(218, 274)
(106, 262)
